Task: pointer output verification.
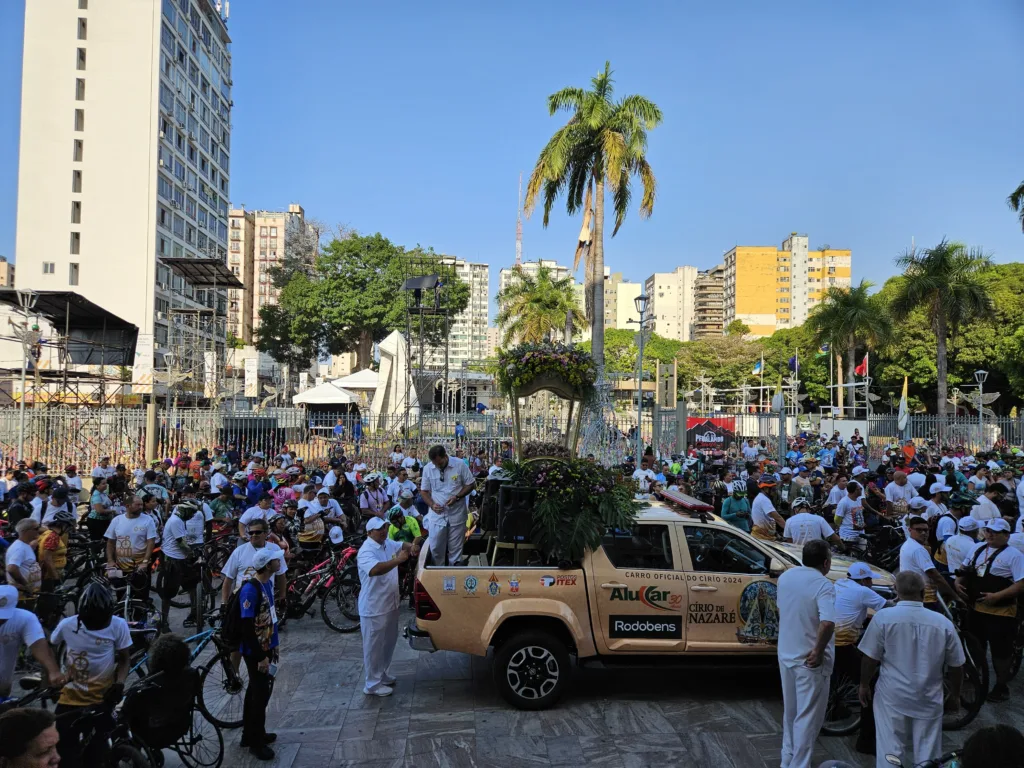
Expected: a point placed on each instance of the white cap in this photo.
(785, 471)
(265, 555)
(325, 491)
(217, 465)
(337, 535)
(859, 470)
(997, 524)
(374, 523)
(8, 601)
(405, 494)
(861, 571)
(918, 502)
(968, 524)
(940, 488)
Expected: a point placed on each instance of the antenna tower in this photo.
(519, 224)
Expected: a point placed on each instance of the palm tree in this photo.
(1016, 203)
(603, 143)
(846, 319)
(944, 280)
(530, 307)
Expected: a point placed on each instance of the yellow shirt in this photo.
(56, 545)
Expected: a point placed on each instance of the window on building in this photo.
(79, 119)
(83, 5)
(76, 212)
(76, 243)
(79, 149)
(73, 273)
(82, 26)
(49, 268)
(79, 89)
(80, 60)
(76, 181)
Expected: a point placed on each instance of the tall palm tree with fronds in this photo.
(848, 318)
(604, 143)
(945, 281)
(1016, 203)
(533, 307)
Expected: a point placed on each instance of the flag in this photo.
(758, 367)
(862, 369)
(904, 413)
(823, 349)
(793, 365)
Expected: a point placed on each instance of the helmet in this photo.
(739, 488)
(96, 606)
(396, 513)
(28, 488)
(275, 517)
(799, 502)
(43, 483)
(290, 504)
(188, 506)
(64, 516)
(258, 472)
(239, 476)
(60, 492)
(963, 499)
(373, 477)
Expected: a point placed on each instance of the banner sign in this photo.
(715, 433)
(209, 374)
(142, 367)
(252, 384)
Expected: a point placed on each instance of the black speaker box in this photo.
(515, 513)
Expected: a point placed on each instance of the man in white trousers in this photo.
(912, 645)
(378, 561)
(446, 483)
(806, 648)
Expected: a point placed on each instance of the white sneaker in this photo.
(389, 681)
(380, 690)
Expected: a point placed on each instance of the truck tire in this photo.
(531, 670)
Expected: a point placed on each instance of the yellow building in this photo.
(769, 288)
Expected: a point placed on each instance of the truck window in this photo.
(717, 551)
(646, 546)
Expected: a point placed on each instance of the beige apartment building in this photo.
(258, 242)
(708, 303)
(125, 155)
(6, 273)
(670, 302)
(620, 301)
(468, 337)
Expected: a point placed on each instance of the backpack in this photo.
(933, 527)
(231, 624)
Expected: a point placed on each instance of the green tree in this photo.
(1016, 203)
(946, 282)
(849, 318)
(531, 307)
(233, 342)
(737, 328)
(603, 143)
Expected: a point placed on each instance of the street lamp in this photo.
(980, 376)
(27, 301)
(641, 302)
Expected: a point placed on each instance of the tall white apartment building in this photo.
(468, 337)
(670, 302)
(125, 154)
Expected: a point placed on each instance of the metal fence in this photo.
(952, 431)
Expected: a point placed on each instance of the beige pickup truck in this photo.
(678, 583)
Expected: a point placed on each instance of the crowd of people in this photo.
(280, 511)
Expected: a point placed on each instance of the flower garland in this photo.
(522, 364)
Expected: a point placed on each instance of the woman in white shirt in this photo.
(397, 457)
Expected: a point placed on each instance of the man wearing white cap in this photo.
(19, 627)
(259, 649)
(992, 579)
(910, 647)
(241, 564)
(378, 561)
(218, 479)
(445, 485)
(803, 526)
(936, 506)
(854, 597)
(960, 546)
(986, 508)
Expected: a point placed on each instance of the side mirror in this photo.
(776, 568)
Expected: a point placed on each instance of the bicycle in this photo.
(304, 589)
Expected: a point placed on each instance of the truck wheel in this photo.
(531, 670)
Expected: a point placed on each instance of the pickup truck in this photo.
(680, 583)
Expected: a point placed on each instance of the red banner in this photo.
(714, 433)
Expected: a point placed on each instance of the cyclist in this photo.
(803, 525)
(766, 521)
(259, 511)
(21, 507)
(281, 534)
(96, 662)
(404, 527)
(315, 516)
(22, 566)
(174, 564)
(130, 540)
(238, 569)
(43, 489)
(959, 547)
(100, 509)
(18, 628)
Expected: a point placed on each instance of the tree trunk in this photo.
(596, 278)
(941, 364)
(840, 390)
(851, 364)
(364, 351)
(568, 327)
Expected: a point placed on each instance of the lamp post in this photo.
(980, 376)
(27, 301)
(641, 308)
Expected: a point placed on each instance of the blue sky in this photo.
(861, 124)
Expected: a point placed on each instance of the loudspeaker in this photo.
(515, 513)
(489, 505)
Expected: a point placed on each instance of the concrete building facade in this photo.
(241, 260)
(6, 273)
(619, 300)
(125, 154)
(708, 303)
(671, 302)
(468, 337)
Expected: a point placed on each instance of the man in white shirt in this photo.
(410, 461)
(331, 478)
(837, 492)
(916, 479)
(899, 490)
(399, 484)
(261, 511)
(239, 567)
(378, 561)
(960, 546)
(912, 646)
(445, 485)
(174, 562)
(850, 516)
(993, 465)
(19, 628)
(936, 506)
(914, 556)
(806, 649)
(750, 450)
(218, 479)
(948, 458)
(854, 598)
(763, 517)
(804, 526)
(23, 570)
(987, 508)
(496, 472)
(103, 469)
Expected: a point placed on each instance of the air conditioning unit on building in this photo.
(161, 315)
(175, 203)
(161, 161)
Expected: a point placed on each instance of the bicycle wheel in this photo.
(215, 562)
(223, 691)
(339, 607)
(974, 687)
(126, 756)
(203, 745)
(198, 605)
(1018, 646)
(842, 713)
(182, 600)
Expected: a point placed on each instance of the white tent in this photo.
(364, 379)
(328, 393)
(395, 391)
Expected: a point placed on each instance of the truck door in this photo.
(638, 593)
(731, 604)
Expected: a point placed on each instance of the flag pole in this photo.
(760, 391)
(831, 391)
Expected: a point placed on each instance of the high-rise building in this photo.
(467, 339)
(619, 300)
(670, 302)
(125, 155)
(241, 260)
(768, 288)
(493, 342)
(708, 303)
(6, 273)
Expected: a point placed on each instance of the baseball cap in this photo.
(785, 471)
(997, 524)
(325, 491)
(918, 502)
(8, 601)
(940, 488)
(801, 468)
(337, 535)
(406, 494)
(861, 571)
(265, 555)
(374, 523)
(859, 470)
(968, 524)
